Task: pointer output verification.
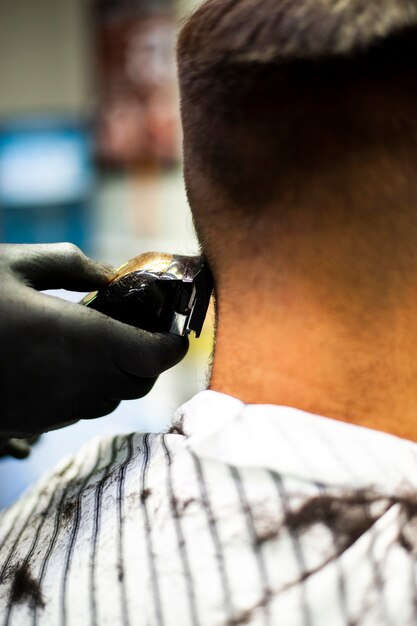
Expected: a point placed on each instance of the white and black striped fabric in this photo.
(259, 515)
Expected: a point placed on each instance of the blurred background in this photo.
(90, 153)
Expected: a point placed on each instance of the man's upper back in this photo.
(240, 515)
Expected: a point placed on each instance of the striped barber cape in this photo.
(240, 514)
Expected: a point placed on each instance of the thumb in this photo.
(141, 353)
(57, 266)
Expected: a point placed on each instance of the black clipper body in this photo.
(157, 292)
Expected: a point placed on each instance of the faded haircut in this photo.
(276, 91)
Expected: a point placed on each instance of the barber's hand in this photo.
(60, 361)
(18, 448)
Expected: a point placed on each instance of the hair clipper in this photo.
(157, 292)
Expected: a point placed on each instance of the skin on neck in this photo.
(323, 317)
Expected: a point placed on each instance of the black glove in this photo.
(60, 361)
(18, 448)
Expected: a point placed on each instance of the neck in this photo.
(344, 346)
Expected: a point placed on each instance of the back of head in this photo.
(296, 107)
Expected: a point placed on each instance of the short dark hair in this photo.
(272, 89)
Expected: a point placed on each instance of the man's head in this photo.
(297, 115)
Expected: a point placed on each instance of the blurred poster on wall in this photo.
(138, 109)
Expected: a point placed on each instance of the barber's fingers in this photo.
(18, 448)
(55, 266)
(140, 353)
(123, 386)
(110, 345)
(94, 406)
(91, 408)
(132, 350)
